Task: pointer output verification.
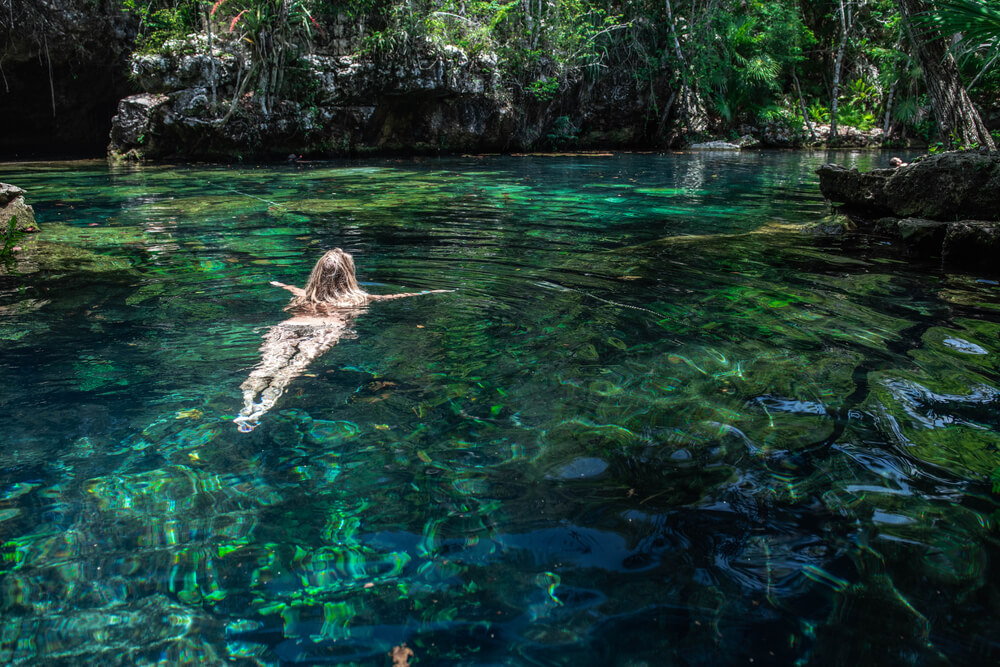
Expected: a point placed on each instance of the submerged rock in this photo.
(967, 243)
(831, 225)
(921, 237)
(972, 242)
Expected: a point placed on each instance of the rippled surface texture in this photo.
(656, 424)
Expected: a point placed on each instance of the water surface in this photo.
(655, 424)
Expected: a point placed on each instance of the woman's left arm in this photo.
(389, 297)
(297, 291)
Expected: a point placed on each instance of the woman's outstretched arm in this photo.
(297, 291)
(389, 297)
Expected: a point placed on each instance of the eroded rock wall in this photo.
(440, 100)
(70, 67)
(437, 99)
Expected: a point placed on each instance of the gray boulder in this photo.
(863, 190)
(12, 205)
(9, 193)
(714, 146)
(132, 129)
(948, 186)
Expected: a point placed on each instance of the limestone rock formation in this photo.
(437, 100)
(945, 205)
(12, 205)
(947, 186)
(714, 146)
(862, 190)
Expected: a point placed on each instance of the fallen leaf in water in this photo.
(401, 655)
(193, 413)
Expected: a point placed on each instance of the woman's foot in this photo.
(246, 423)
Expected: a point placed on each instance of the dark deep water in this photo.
(656, 424)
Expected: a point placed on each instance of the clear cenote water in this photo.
(656, 424)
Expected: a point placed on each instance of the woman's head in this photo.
(332, 283)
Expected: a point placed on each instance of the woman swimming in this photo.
(322, 314)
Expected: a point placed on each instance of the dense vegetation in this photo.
(729, 63)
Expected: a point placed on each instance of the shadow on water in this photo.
(655, 424)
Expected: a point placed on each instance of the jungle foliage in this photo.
(729, 63)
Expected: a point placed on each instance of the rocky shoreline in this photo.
(437, 100)
(945, 205)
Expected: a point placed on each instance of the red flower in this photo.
(318, 26)
(236, 19)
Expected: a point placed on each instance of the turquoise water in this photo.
(655, 424)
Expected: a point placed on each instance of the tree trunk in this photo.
(892, 88)
(211, 53)
(692, 112)
(802, 105)
(835, 94)
(887, 125)
(958, 121)
(681, 63)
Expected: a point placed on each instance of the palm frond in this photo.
(977, 20)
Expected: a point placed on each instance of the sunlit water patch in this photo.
(654, 424)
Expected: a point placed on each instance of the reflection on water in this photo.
(656, 424)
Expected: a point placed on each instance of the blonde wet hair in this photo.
(332, 284)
